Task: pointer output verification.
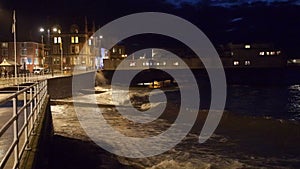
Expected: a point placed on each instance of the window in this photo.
(36, 61)
(76, 39)
(55, 40)
(72, 49)
(23, 45)
(24, 60)
(24, 52)
(278, 52)
(59, 40)
(56, 61)
(235, 63)
(261, 53)
(90, 42)
(77, 50)
(247, 46)
(164, 63)
(29, 60)
(268, 53)
(4, 52)
(114, 50)
(36, 52)
(55, 50)
(132, 63)
(120, 51)
(247, 62)
(175, 63)
(272, 53)
(5, 45)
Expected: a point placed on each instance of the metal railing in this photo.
(26, 106)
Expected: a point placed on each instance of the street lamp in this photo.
(42, 30)
(54, 29)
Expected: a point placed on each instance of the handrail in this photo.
(33, 98)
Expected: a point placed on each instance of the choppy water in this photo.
(259, 129)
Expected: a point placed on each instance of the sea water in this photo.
(259, 128)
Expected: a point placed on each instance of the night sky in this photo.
(223, 21)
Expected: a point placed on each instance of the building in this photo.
(62, 47)
(117, 52)
(255, 55)
(29, 54)
(72, 46)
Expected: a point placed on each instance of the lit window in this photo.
(59, 40)
(72, 39)
(76, 39)
(55, 40)
(120, 51)
(164, 63)
(36, 61)
(90, 42)
(36, 52)
(5, 45)
(29, 60)
(175, 63)
(247, 62)
(114, 50)
(235, 63)
(247, 46)
(261, 53)
(157, 64)
(268, 53)
(278, 52)
(272, 53)
(132, 64)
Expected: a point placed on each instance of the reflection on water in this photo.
(293, 105)
(272, 101)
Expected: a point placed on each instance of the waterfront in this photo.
(249, 135)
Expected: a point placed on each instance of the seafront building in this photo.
(62, 48)
(29, 54)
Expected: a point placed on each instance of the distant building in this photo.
(251, 55)
(72, 47)
(117, 52)
(29, 54)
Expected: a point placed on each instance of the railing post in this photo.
(15, 130)
(31, 111)
(35, 103)
(38, 98)
(26, 121)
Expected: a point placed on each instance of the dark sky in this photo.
(276, 21)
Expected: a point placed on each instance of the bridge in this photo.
(25, 116)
